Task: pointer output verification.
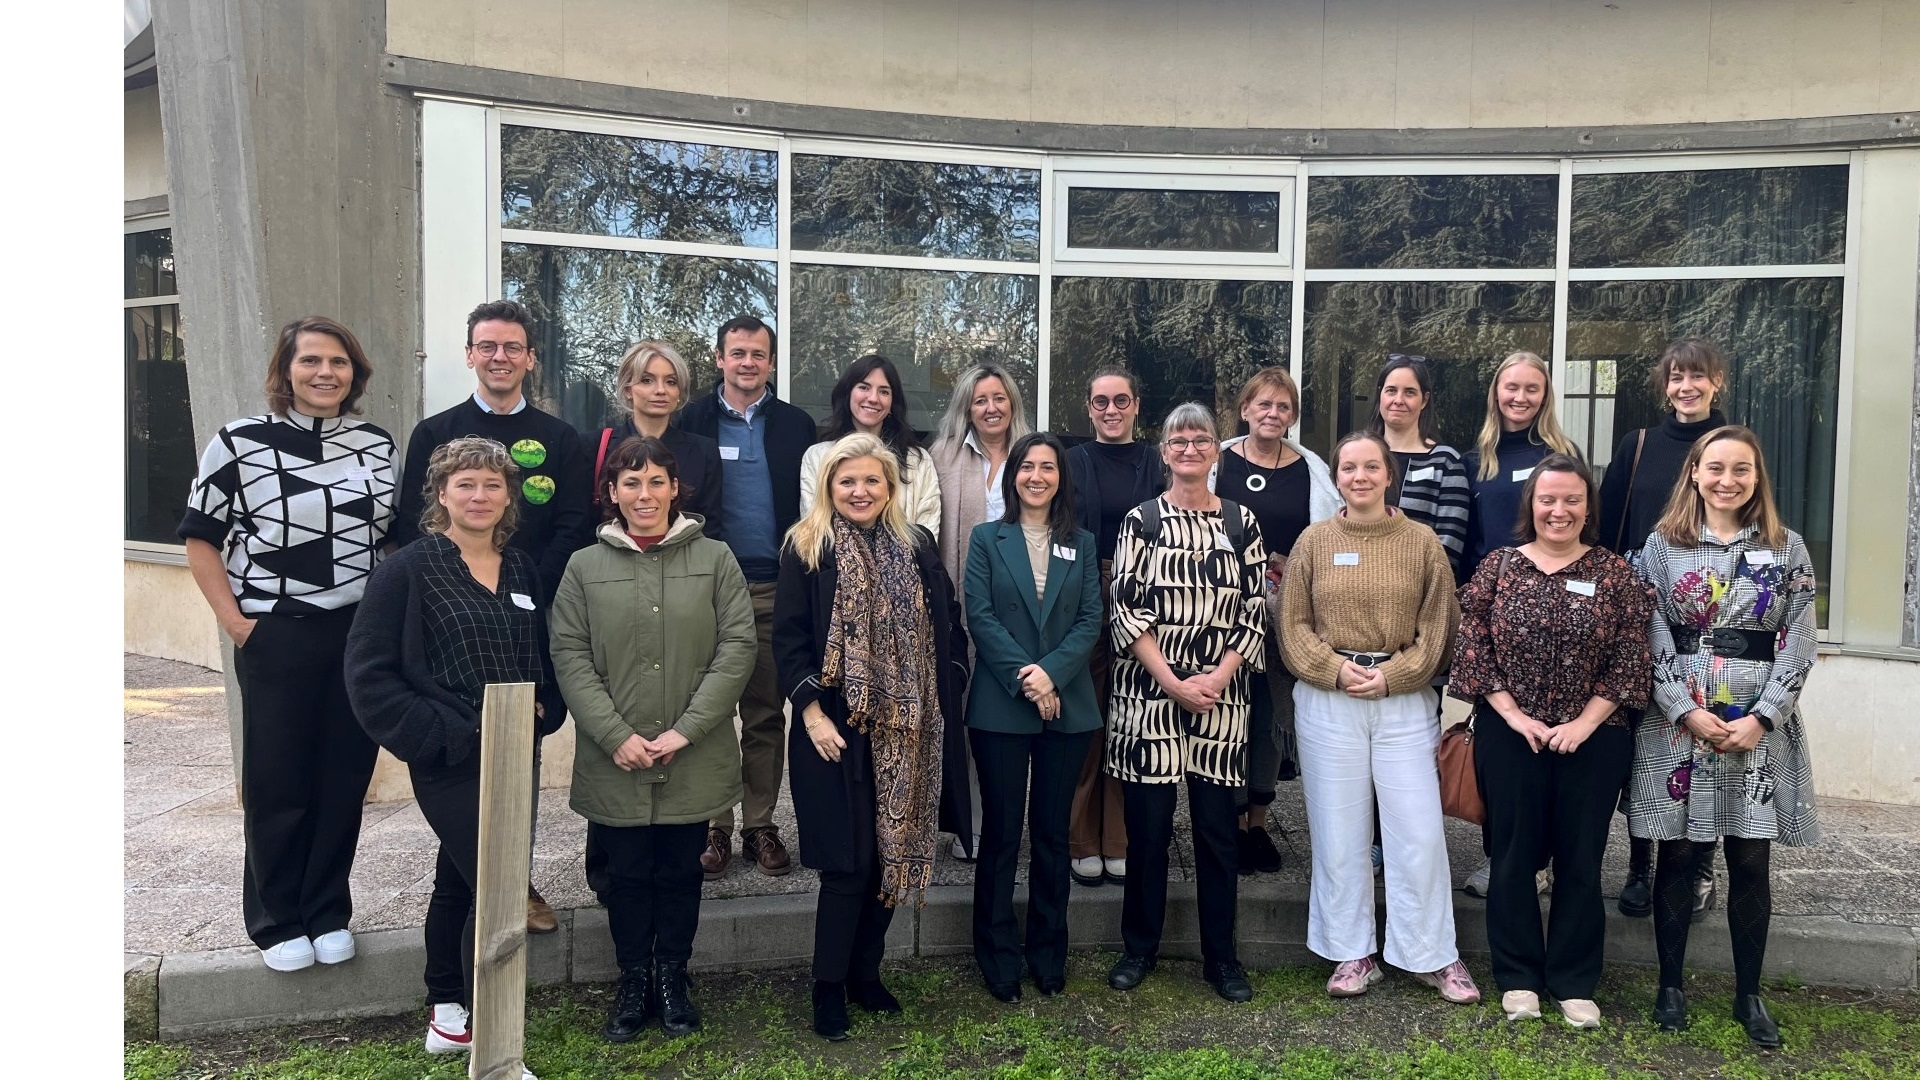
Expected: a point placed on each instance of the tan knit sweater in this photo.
(1396, 598)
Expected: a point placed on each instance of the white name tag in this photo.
(729, 453)
(1759, 558)
(1520, 475)
(521, 599)
(1428, 473)
(359, 472)
(1066, 553)
(1220, 541)
(1346, 558)
(1584, 588)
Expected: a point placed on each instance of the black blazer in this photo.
(822, 804)
(695, 457)
(789, 432)
(1149, 480)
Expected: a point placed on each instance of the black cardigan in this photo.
(822, 804)
(789, 432)
(1149, 480)
(390, 687)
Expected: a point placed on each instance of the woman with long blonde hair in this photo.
(1520, 430)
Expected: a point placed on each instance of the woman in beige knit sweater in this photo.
(1367, 617)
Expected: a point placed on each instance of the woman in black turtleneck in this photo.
(1690, 376)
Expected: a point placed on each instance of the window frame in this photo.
(146, 550)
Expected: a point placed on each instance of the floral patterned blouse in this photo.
(1555, 641)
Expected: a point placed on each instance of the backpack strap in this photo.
(1150, 520)
(1620, 534)
(1235, 519)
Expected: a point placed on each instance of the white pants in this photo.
(1350, 752)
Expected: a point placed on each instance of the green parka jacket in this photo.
(644, 641)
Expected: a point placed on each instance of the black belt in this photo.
(1727, 642)
(1368, 660)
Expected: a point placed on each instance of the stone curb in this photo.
(189, 994)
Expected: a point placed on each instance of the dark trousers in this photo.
(304, 769)
(849, 921)
(449, 798)
(1539, 807)
(1098, 825)
(650, 888)
(1003, 760)
(1216, 858)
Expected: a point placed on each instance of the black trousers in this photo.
(1539, 807)
(1003, 760)
(849, 921)
(650, 886)
(449, 798)
(1216, 857)
(304, 769)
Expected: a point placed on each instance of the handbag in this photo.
(1459, 780)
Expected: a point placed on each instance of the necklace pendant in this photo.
(1256, 482)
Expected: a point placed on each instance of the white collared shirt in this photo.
(996, 499)
(518, 406)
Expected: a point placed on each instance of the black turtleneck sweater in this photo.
(1661, 460)
(1496, 500)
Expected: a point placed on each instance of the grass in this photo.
(1172, 1028)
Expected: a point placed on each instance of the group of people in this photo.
(998, 634)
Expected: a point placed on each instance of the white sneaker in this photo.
(1580, 1013)
(289, 955)
(1520, 1005)
(1088, 871)
(1478, 882)
(447, 1031)
(1116, 870)
(333, 947)
(959, 850)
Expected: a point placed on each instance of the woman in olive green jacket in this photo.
(653, 641)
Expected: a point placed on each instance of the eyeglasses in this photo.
(513, 349)
(1117, 401)
(1181, 446)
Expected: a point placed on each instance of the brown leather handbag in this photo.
(1459, 780)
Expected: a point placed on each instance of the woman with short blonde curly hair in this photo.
(462, 455)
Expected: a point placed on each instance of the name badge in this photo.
(1584, 588)
(1520, 475)
(1429, 473)
(729, 453)
(521, 599)
(1759, 558)
(1220, 541)
(1346, 558)
(1066, 553)
(359, 473)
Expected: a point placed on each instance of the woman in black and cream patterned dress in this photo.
(1189, 623)
(1722, 752)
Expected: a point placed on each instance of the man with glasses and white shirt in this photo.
(556, 488)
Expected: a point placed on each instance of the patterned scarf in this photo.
(880, 654)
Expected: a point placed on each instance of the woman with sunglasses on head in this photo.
(1722, 752)
(1366, 615)
(1646, 466)
(1034, 611)
(1189, 630)
(1520, 430)
(870, 398)
(1111, 475)
(1286, 487)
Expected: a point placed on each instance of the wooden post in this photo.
(500, 898)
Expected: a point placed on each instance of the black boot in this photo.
(872, 995)
(1752, 1014)
(1703, 890)
(1636, 894)
(632, 1006)
(1670, 1009)
(830, 1010)
(677, 1015)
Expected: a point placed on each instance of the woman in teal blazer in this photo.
(1034, 613)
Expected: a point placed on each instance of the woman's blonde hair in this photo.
(1686, 513)
(813, 534)
(957, 424)
(1546, 428)
(635, 361)
(458, 456)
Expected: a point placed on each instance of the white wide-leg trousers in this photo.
(1350, 752)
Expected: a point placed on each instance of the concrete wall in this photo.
(146, 158)
(1860, 726)
(1216, 63)
(166, 617)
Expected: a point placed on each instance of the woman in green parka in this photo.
(653, 641)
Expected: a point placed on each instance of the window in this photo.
(1431, 222)
(882, 207)
(1189, 213)
(161, 457)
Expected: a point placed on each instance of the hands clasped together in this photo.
(640, 753)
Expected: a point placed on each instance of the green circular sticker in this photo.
(528, 454)
(537, 489)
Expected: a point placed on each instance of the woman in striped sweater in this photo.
(1433, 482)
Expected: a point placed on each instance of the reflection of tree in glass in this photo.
(1719, 217)
(1246, 221)
(1431, 222)
(588, 306)
(915, 208)
(1464, 328)
(609, 185)
(1184, 340)
(933, 325)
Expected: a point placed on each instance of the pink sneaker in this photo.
(1352, 977)
(1453, 982)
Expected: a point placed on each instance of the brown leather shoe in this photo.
(719, 853)
(540, 918)
(768, 853)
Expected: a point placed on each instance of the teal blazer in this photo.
(1011, 628)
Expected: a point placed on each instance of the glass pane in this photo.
(588, 306)
(1781, 337)
(1431, 222)
(150, 264)
(1184, 340)
(1714, 217)
(932, 324)
(161, 456)
(915, 208)
(1464, 328)
(611, 185)
(1173, 220)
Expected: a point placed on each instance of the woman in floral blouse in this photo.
(1553, 646)
(1722, 752)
